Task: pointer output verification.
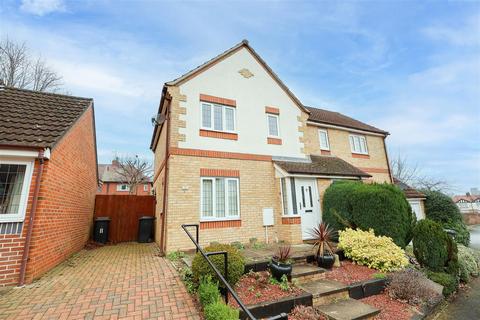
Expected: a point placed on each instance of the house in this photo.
(415, 198)
(233, 144)
(48, 180)
(111, 182)
(468, 203)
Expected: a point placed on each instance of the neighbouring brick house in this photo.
(233, 144)
(112, 183)
(48, 180)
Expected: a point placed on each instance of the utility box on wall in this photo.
(267, 217)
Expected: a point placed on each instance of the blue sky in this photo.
(409, 67)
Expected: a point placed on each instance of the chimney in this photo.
(115, 163)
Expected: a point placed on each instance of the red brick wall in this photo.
(66, 200)
(111, 188)
(11, 248)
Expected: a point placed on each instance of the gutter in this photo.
(26, 249)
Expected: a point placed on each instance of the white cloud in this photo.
(464, 35)
(42, 7)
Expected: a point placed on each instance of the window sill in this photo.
(217, 224)
(360, 155)
(218, 134)
(276, 141)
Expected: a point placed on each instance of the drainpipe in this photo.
(28, 238)
(165, 179)
(388, 161)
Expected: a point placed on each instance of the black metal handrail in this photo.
(229, 289)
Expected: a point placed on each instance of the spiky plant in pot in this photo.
(281, 263)
(322, 236)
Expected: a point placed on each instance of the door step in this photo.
(348, 309)
(325, 291)
(304, 272)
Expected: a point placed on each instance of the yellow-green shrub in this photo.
(364, 248)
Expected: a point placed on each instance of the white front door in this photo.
(308, 205)
(417, 208)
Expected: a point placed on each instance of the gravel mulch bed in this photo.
(255, 287)
(390, 308)
(305, 313)
(350, 272)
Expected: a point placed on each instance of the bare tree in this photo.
(134, 171)
(20, 70)
(411, 175)
(403, 171)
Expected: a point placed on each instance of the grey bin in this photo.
(145, 229)
(100, 232)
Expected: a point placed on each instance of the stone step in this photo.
(304, 272)
(326, 291)
(348, 309)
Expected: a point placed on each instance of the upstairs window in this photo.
(219, 198)
(323, 137)
(273, 127)
(358, 144)
(123, 187)
(218, 117)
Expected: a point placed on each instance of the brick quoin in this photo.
(64, 209)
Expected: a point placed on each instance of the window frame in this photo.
(119, 187)
(277, 117)
(27, 179)
(327, 148)
(214, 199)
(145, 188)
(212, 117)
(351, 139)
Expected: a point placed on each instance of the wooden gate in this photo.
(124, 212)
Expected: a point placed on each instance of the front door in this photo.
(308, 205)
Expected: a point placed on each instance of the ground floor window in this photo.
(219, 198)
(123, 187)
(289, 196)
(14, 187)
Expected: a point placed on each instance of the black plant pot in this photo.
(279, 269)
(326, 261)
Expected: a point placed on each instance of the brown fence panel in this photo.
(124, 212)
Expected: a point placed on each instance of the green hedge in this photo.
(236, 264)
(208, 291)
(381, 207)
(449, 282)
(218, 310)
(441, 208)
(430, 245)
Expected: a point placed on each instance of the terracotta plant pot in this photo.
(326, 261)
(279, 269)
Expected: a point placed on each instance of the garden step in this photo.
(304, 272)
(348, 309)
(325, 291)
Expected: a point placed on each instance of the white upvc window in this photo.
(219, 198)
(273, 125)
(358, 144)
(145, 187)
(123, 187)
(217, 117)
(15, 177)
(323, 137)
(289, 197)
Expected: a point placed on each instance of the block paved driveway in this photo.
(125, 281)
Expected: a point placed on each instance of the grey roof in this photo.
(323, 165)
(409, 192)
(37, 119)
(338, 119)
(108, 173)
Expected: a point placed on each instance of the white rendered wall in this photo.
(252, 95)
